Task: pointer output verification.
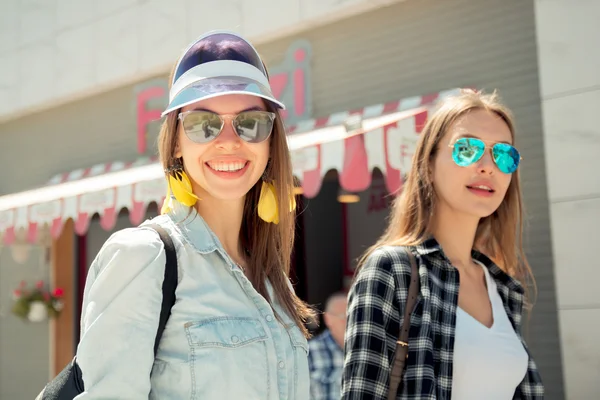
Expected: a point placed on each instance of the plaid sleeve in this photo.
(373, 325)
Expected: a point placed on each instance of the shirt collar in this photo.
(193, 227)
(498, 274)
(430, 246)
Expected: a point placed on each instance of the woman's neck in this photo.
(456, 234)
(224, 217)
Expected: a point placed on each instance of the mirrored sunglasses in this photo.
(250, 126)
(467, 151)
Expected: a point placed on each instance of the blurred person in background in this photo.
(460, 215)
(237, 328)
(326, 351)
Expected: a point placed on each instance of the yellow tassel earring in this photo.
(268, 208)
(180, 186)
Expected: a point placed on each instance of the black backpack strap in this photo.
(169, 283)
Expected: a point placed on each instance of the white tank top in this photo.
(489, 363)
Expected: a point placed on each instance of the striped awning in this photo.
(385, 140)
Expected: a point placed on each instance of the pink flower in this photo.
(17, 293)
(58, 292)
(46, 296)
(39, 284)
(22, 284)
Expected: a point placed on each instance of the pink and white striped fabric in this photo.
(386, 141)
(100, 169)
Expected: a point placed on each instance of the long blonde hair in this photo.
(500, 235)
(270, 245)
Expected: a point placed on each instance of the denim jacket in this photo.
(222, 340)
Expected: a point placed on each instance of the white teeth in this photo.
(482, 187)
(227, 167)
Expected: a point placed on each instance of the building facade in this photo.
(92, 111)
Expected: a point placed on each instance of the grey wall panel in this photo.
(77, 135)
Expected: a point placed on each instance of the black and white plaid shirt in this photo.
(375, 314)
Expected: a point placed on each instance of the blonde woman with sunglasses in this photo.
(236, 330)
(460, 218)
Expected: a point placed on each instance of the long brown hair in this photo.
(500, 235)
(269, 245)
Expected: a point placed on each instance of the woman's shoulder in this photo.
(386, 265)
(132, 260)
(135, 246)
(143, 237)
(388, 259)
(139, 238)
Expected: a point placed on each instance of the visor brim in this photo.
(213, 87)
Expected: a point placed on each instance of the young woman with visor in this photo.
(236, 330)
(460, 216)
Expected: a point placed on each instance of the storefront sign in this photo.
(151, 98)
(290, 81)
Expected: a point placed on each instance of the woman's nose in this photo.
(486, 164)
(228, 138)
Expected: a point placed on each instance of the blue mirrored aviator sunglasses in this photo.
(467, 151)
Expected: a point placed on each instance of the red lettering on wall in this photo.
(278, 84)
(145, 116)
(299, 83)
(406, 156)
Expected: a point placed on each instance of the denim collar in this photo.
(194, 229)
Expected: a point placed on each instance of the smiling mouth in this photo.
(227, 166)
(482, 188)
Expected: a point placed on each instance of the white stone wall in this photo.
(53, 51)
(569, 61)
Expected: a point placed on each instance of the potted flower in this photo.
(37, 304)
